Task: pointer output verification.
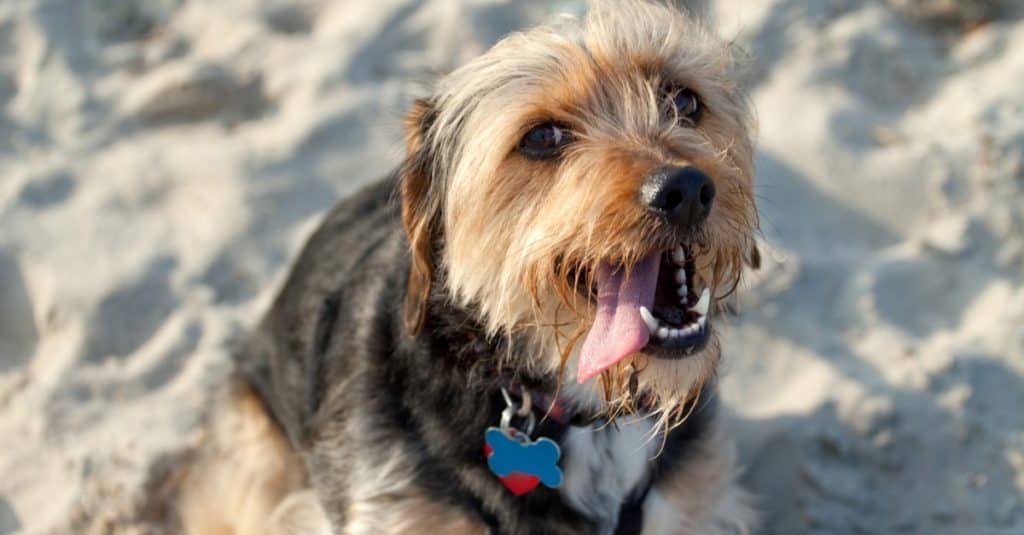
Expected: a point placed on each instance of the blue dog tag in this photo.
(521, 463)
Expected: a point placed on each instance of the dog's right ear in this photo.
(420, 212)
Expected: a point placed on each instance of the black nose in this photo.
(683, 195)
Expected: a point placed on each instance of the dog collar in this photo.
(550, 407)
(520, 461)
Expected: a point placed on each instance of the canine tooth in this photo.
(663, 332)
(702, 305)
(702, 322)
(679, 255)
(681, 276)
(649, 319)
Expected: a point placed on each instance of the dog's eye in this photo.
(687, 105)
(544, 141)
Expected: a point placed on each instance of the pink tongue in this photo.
(618, 329)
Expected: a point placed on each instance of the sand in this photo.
(162, 160)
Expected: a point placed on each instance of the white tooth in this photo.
(679, 255)
(663, 332)
(702, 305)
(702, 322)
(681, 276)
(683, 291)
(674, 333)
(690, 330)
(649, 319)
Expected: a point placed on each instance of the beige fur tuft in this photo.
(246, 479)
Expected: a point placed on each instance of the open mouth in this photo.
(679, 319)
(653, 306)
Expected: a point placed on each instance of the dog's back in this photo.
(250, 475)
(335, 314)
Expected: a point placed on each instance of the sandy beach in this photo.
(161, 162)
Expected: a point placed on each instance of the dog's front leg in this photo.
(701, 496)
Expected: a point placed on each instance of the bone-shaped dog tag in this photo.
(520, 463)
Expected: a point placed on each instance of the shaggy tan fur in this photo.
(515, 229)
(246, 480)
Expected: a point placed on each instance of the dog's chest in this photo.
(604, 465)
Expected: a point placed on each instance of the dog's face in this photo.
(581, 187)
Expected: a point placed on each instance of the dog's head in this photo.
(588, 188)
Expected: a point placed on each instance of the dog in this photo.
(515, 332)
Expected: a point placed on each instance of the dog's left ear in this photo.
(420, 212)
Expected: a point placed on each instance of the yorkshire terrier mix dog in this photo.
(514, 333)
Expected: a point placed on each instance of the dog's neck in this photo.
(491, 362)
